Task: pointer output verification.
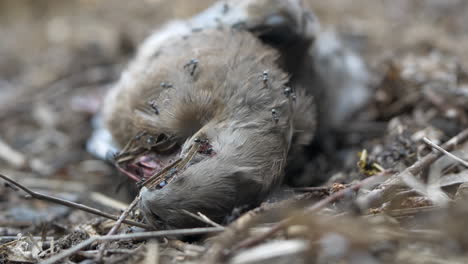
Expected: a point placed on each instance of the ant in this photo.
(275, 115)
(265, 77)
(289, 92)
(153, 106)
(166, 85)
(192, 65)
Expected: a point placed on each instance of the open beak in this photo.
(157, 165)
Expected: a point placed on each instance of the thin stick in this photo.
(139, 235)
(152, 253)
(252, 241)
(156, 176)
(207, 219)
(10, 155)
(8, 243)
(107, 201)
(231, 235)
(182, 246)
(201, 219)
(16, 237)
(118, 224)
(179, 164)
(381, 193)
(430, 158)
(312, 189)
(434, 145)
(82, 207)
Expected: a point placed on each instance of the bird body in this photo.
(221, 85)
(213, 108)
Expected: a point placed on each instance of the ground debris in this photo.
(373, 209)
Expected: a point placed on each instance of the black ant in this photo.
(153, 106)
(265, 77)
(166, 85)
(192, 65)
(275, 115)
(287, 91)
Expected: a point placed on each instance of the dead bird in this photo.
(235, 109)
(209, 112)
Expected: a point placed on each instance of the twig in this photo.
(118, 224)
(412, 211)
(342, 193)
(157, 176)
(82, 207)
(201, 219)
(152, 253)
(313, 189)
(178, 165)
(19, 160)
(182, 246)
(252, 241)
(430, 158)
(139, 235)
(13, 157)
(208, 220)
(107, 201)
(32, 181)
(15, 223)
(7, 244)
(383, 191)
(9, 238)
(434, 145)
(230, 236)
(428, 235)
(279, 251)
(92, 253)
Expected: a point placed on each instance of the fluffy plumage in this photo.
(223, 84)
(223, 76)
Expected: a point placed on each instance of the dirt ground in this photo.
(390, 197)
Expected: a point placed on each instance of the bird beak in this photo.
(144, 156)
(156, 166)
